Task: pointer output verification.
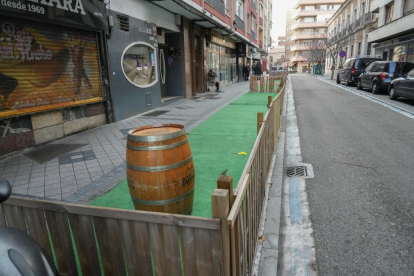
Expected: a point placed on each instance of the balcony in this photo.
(315, 12)
(253, 35)
(298, 58)
(306, 35)
(218, 5)
(299, 47)
(312, 2)
(253, 3)
(307, 25)
(239, 23)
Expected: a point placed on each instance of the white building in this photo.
(394, 37)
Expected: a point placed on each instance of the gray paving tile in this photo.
(68, 173)
(67, 178)
(52, 186)
(36, 185)
(20, 188)
(69, 189)
(20, 182)
(92, 165)
(95, 169)
(22, 177)
(56, 197)
(84, 175)
(39, 194)
(65, 195)
(32, 191)
(52, 181)
(37, 179)
(83, 182)
(36, 175)
(67, 169)
(53, 192)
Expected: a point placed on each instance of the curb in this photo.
(269, 255)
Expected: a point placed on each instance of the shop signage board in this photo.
(83, 13)
(221, 40)
(43, 67)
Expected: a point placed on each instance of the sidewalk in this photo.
(91, 170)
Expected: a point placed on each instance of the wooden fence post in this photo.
(269, 100)
(221, 209)
(226, 182)
(259, 121)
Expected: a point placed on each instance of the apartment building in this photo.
(354, 19)
(306, 23)
(276, 57)
(393, 39)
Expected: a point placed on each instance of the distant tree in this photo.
(334, 43)
(316, 52)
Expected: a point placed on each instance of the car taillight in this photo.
(353, 71)
(383, 76)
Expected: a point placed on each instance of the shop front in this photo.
(222, 58)
(398, 49)
(53, 77)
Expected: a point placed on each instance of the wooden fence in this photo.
(118, 242)
(91, 240)
(245, 213)
(266, 84)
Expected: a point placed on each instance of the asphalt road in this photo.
(361, 198)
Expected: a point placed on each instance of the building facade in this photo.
(276, 58)
(355, 19)
(65, 70)
(393, 39)
(306, 22)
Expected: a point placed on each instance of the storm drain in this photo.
(296, 171)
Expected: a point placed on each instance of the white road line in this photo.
(396, 109)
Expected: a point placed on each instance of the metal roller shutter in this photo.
(45, 67)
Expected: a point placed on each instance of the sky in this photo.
(280, 7)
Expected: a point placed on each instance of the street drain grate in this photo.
(296, 171)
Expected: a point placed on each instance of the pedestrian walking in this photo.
(247, 71)
(258, 70)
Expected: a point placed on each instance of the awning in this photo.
(291, 64)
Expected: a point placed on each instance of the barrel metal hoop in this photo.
(156, 138)
(162, 202)
(160, 168)
(159, 147)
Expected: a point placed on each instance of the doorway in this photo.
(198, 63)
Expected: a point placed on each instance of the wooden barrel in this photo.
(160, 169)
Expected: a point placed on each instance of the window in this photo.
(253, 24)
(336, 7)
(408, 6)
(323, 7)
(359, 49)
(410, 53)
(240, 9)
(349, 63)
(139, 64)
(349, 19)
(352, 50)
(399, 53)
(271, 58)
(369, 68)
(309, 8)
(362, 8)
(261, 10)
(389, 10)
(309, 20)
(226, 7)
(283, 56)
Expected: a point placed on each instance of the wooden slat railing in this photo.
(266, 84)
(120, 241)
(245, 214)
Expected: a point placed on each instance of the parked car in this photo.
(402, 87)
(378, 75)
(352, 68)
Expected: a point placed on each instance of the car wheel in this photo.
(359, 85)
(392, 94)
(338, 81)
(375, 89)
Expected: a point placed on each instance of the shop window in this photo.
(389, 10)
(139, 64)
(399, 53)
(410, 53)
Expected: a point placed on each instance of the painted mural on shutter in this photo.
(45, 67)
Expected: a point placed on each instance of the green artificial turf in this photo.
(215, 145)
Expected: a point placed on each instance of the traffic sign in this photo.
(342, 53)
(308, 59)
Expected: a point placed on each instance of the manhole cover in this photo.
(296, 171)
(156, 113)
